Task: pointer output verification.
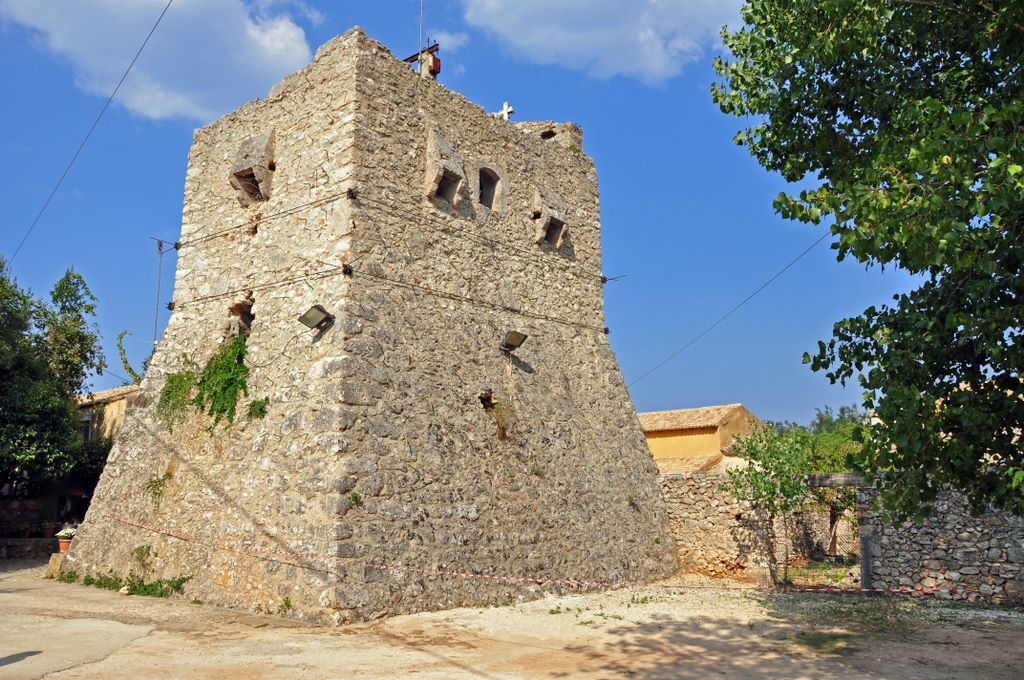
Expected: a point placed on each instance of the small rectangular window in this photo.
(553, 231)
(488, 187)
(448, 187)
(246, 181)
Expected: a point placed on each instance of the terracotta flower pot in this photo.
(64, 543)
(49, 530)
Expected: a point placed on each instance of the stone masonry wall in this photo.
(982, 558)
(377, 463)
(719, 536)
(714, 533)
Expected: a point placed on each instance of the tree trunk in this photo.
(834, 516)
(769, 544)
(785, 549)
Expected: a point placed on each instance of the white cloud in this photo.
(646, 39)
(450, 42)
(207, 56)
(309, 13)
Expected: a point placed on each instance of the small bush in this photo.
(258, 408)
(355, 500)
(284, 607)
(70, 576)
(105, 581)
(161, 587)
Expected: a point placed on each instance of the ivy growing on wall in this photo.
(176, 395)
(223, 380)
(215, 390)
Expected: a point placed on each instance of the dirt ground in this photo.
(674, 629)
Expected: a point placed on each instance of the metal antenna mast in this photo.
(419, 55)
(159, 266)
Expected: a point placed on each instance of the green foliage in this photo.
(835, 448)
(73, 344)
(162, 587)
(215, 390)
(258, 408)
(46, 351)
(223, 380)
(105, 581)
(905, 119)
(69, 576)
(826, 420)
(127, 365)
(777, 462)
(773, 480)
(157, 486)
(143, 556)
(355, 500)
(176, 396)
(284, 607)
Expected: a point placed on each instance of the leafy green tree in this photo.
(773, 480)
(46, 352)
(834, 448)
(904, 118)
(826, 420)
(72, 338)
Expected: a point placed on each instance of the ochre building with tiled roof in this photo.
(100, 413)
(694, 439)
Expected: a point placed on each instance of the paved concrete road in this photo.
(32, 646)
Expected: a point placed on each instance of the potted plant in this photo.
(64, 537)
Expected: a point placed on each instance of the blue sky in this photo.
(686, 215)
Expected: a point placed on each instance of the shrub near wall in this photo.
(981, 558)
(717, 535)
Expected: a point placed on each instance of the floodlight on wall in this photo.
(316, 318)
(512, 341)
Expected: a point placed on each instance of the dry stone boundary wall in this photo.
(719, 536)
(981, 558)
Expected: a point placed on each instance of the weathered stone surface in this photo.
(719, 536)
(975, 557)
(375, 449)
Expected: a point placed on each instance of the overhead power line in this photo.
(732, 311)
(334, 270)
(88, 134)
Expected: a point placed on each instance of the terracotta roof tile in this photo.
(686, 418)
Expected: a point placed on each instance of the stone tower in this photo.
(399, 440)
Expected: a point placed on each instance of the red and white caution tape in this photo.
(995, 593)
(268, 553)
